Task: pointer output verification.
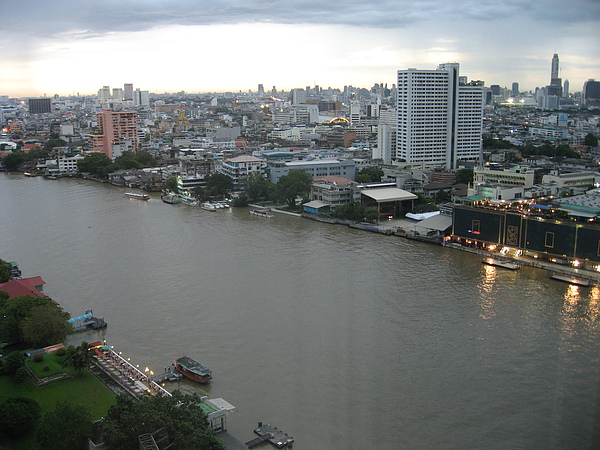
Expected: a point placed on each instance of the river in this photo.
(342, 338)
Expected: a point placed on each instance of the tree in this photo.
(180, 417)
(13, 362)
(369, 175)
(78, 357)
(371, 214)
(590, 140)
(97, 164)
(18, 415)
(171, 185)
(68, 426)
(16, 311)
(13, 160)
(464, 176)
(5, 269)
(295, 184)
(46, 325)
(258, 187)
(218, 185)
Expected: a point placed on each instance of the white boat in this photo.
(570, 279)
(262, 213)
(137, 196)
(190, 201)
(501, 263)
(208, 206)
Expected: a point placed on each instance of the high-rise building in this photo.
(141, 98)
(439, 121)
(128, 91)
(555, 87)
(104, 94)
(117, 132)
(40, 105)
(566, 88)
(591, 93)
(515, 89)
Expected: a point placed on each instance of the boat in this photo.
(208, 206)
(137, 196)
(169, 198)
(569, 279)
(29, 174)
(190, 201)
(192, 369)
(501, 263)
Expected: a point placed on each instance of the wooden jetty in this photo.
(501, 263)
(267, 432)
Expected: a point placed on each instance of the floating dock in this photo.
(262, 213)
(501, 263)
(570, 279)
(267, 432)
(88, 320)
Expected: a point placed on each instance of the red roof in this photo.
(25, 286)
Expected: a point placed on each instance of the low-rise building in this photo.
(316, 168)
(240, 167)
(575, 180)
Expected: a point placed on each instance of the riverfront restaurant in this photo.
(564, 241)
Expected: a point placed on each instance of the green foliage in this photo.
(217, 185)
(17, 323)
(37, 153)
(54, 141)
(171, 185)
(371, 214)
(13, 160)
(78, 357)
(13, 362)
(351, 211)
(295, 184)
(5, 268)
(180, 416)
(134, 160)
(258, 187)
(490, 143)
(61, 352)
(46, 325)
(369, 175)
(442, 196)
(20, 375)
(97, 164)
(590, 140)
(242, 200)
(18, 415)
(38, 357)
(463, 176)
(68, 426)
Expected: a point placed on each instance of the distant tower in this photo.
(261, 90)
(566, 88)
(555, 87)
(515, 89)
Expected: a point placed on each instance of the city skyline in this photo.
(56, 47)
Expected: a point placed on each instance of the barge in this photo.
(192, 369)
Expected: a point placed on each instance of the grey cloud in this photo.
(50, 17)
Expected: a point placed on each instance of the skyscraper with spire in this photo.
(555, 87)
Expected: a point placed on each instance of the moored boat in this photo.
(137, 196)
(169, 198)
(208, 206)
(501, 263)
(192, 369)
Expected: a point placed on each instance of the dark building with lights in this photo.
(536, 235)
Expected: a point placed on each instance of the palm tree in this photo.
(78, 357)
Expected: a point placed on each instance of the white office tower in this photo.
(440, 120)
(141, 98)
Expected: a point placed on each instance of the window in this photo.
(549, 239)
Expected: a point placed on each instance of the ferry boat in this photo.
(192, 369)
(137, 196)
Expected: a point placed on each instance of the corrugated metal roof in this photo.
(441, 222)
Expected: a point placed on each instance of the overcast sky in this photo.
(66, 46)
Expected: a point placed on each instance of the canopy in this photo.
(389, 195)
